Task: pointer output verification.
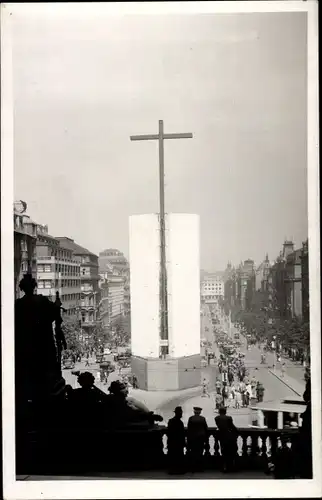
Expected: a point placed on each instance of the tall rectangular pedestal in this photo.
(172, 374)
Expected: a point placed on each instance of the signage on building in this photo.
(164, 342)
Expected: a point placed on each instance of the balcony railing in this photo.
(95, 450)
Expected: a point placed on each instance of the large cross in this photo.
(163, 271)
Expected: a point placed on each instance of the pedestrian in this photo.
(197, 437)
(238, 399)
(224, 393)
(218, 386)
(176, 442)
(260, 392)
(205, 392)
(219, 400)
(135, 382)
(283, 369)
(228, 439)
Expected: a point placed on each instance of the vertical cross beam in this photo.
(163, 269)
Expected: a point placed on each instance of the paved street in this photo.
(164, 402)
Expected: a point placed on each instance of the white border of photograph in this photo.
(155, 488)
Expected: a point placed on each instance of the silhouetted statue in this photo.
(59, 334)
(38, 372)
(176, 442)
(197, 438)
(228, 439)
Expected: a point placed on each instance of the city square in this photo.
(162, 248)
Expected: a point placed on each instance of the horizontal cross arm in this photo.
(187, 135)
(144, 137)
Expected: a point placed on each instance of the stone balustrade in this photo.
(77, 451)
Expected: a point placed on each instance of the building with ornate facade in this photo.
(212, 287)
(25, 239)
(288, 283)
(114, 257)
(112, 286)
(89, 278)
(58, 271)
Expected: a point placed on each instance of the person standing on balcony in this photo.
(197, 437)
(228, 439)
(176, 442)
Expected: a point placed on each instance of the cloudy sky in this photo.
(82, 86)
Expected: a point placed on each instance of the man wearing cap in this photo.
(228, 434)
(197, 437)
(176, 442)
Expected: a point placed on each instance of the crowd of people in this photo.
(234, 385)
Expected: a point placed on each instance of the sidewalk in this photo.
(297, 387)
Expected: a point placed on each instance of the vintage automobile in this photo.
(106, 363)
(68, 364)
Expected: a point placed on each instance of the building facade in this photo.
(305, 281)
(212, 288)
(58, 271)
(25, 240)
(112, 297)
(288, 283)
(114, 257)
(88, 309)
(262, 273)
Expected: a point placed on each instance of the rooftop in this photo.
(71, 245)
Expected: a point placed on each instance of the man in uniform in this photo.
(228, 439)
(176, 442)
(197, 437)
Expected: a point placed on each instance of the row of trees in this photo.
(263, 323)
(118, 335)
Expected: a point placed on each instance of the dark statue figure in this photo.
(38, 373)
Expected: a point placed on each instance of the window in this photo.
(40, 268)
(47, 284)
(40, 284)
(47, 268)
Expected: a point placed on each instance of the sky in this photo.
(238, 82)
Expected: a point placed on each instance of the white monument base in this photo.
(171, 374)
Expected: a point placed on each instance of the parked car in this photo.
(68, 364)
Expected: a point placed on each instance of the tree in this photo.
(72, 332)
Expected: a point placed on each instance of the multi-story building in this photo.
(305, 281)
(58, 271)
(285, 282)
(89, 279)
(113, 257)
(245, 284)
(112, 284)
(25, 239)
(230, 287)
(212, 287)
(262, 273)
(293, 283)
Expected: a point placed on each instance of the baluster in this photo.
(165, 444)
(244, 447)
(254, 445)
(264, 446)
(211, 445)
(216, 446)
(239, 446)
